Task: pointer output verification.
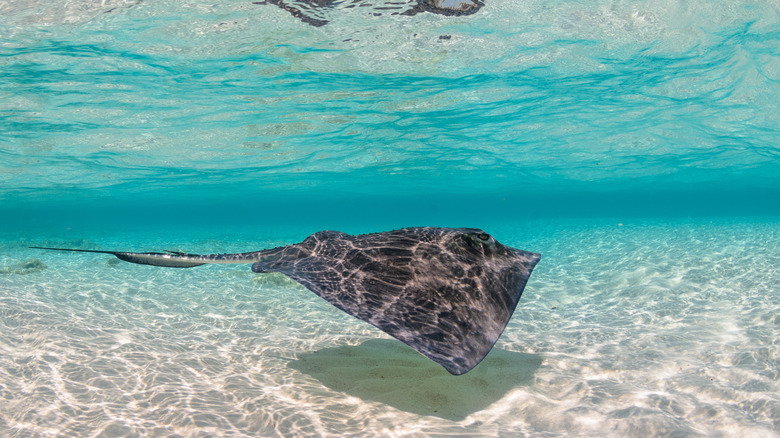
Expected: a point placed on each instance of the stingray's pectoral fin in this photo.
(169, 259)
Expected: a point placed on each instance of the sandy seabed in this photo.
(647, 328)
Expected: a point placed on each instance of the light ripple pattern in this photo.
(148, 96)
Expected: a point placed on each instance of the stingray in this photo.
(446, 292)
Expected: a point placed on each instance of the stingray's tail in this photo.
(171, 259)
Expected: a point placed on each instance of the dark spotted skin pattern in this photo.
(446, 292)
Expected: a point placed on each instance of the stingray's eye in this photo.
(481, 242)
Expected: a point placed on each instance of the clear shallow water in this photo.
(649, 328)
(235, 127)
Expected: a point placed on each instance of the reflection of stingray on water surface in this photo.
(316, 12)
(446, 292)
(387, 372)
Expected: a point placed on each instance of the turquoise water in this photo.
(633, 144)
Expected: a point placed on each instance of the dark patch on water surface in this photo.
(315, 12)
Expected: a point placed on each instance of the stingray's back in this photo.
(424, 286)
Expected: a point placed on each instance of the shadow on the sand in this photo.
(389, 372)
